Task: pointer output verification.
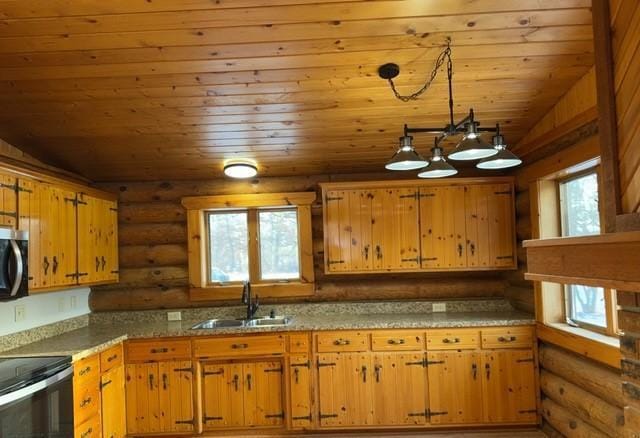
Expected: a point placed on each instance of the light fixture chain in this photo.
(442, 57)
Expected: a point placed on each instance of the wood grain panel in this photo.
(137, 90)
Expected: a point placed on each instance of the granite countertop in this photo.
(98, 336)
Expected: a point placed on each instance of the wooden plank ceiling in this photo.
(156, 89)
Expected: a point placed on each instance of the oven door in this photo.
(43, 409)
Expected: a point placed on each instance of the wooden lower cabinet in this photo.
(160, 397)
(246, 394)
(300, 391)
(113, 407)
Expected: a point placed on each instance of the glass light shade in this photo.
(240, 170)
(406, 157)
(472, 146)
(438, 166)
(502, 160)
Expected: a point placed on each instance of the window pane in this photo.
(228, 247)
(586, 304)
(279, 255)
(580, 215)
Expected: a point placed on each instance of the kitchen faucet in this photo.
(252, 306)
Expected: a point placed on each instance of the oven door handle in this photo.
(15, 250)
(35, 387)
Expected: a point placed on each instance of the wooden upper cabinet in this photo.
(8, 200)
(98, 239)
(463, 224)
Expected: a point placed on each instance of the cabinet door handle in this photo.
(239, 346)
(84, 371)
(364, 374)
(97, 263)
(296, 375)
(472, 247)
(366, 252)
(474, 370)
(45, 265)
(341, 342)
(395, 341)
(85, 402)
(249, 382)
(104, 262)
(235, 381)
(487, 368)
(376, 370)
(506, 339)
(112, 358)
(164, 381)
(86, 433)
(55, 265)
(159, 350)
(460, 250)
(151, 382)
(451, 341)
(378, 252)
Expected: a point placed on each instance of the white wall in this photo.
(42, 309)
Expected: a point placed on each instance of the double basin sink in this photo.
(267, 321)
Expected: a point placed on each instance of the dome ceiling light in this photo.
(472, 146)
(240, 170)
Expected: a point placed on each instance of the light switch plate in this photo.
(439, 307)
(174, 316)
(20, 312)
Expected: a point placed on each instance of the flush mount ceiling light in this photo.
(240, 170)
(438, 166)
(471, 147)
(406, 157)
(503, 159)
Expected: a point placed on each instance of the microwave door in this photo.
(15, 267)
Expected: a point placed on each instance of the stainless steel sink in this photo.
(218, 323)
(267, 321)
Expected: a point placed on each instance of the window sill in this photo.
(596, 346)
(234, 292)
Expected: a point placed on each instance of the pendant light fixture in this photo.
(471, 147)
(406, 157)
(438, 166)
(503, 159)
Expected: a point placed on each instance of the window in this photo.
(263, 238)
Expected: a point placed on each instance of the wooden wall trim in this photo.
(607, 119)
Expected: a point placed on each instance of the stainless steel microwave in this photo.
(14, 269)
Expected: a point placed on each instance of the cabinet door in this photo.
(300, 391)
(176, 396)
(222, 398)
(62, 237)
(338, 230)
(113, 406)
(142, 398)
(263, 394)
(398, 242)
(110, 241)
(490, 228)
(89, 239)
(455, 387)
(345, 389)
(8, 201)
(29, 219)
(508, 384)
(442, 227)
(399, 389)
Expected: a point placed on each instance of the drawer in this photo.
(239, 346)
(111, 358)
(86, 370)
(507, 337)
(86, 401)
(299, 343)
(342, 341)
(397, 340)
(458, 339)
(91, 428)
(146, 351)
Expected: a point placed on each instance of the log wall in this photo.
(153, 251)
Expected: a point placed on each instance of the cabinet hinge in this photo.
(81, 274)
(335, 262)
(431, 413)
(205, 418)
(307, 417)
(306, 364)
(74, 275)
(507, 192)
(183, 370)
(528, 411)
(9, 213)
(74, 201)
(422, 363)
(428, 259)
(326, 364)
(525, 360)
(103, 384)
(115, 272)
(418, 414)
(79, 202)
(335, 198)
(427, 195)
(113, 209)
(212, 373)
(192, 422)
(273, 370)
(505, 257)
(22, 189)
(416, 195)
(415, 259)
(280, 415)
(322, 416)
(13, 187)
(434, 362)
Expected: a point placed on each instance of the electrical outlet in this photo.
(439, 307)
(174, 316)
(20, 312)
(73, 302)
(61, 302)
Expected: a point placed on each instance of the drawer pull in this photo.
(451, 341)
(395, 341)
(84, 371)
(507, 339)
(86, 433)
(341, 342)
(159, 350)
(239, 346)
(85, 402)
(112, 358)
